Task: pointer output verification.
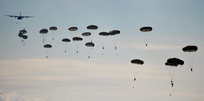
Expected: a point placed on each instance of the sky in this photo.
(27, 75)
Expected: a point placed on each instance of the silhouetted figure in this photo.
(46, 56)
(191, 69)
(53, 38)
(172, 84)
(103, 47)
(76, 51)
(65, 51)
(146, 44)
(169, 94)
(89, 57)
(134, 79)
(115, 47)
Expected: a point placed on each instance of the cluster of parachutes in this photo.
(22, 35)
(173, 64)
(77, 39)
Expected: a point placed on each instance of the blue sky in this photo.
(26, 75)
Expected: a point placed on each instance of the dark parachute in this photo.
(43, 33)
(114, 38)
(23, 31)
(72, 28)
(114, 32)
(47, 48)
(173, 63)
(86, 34)
(90, 45)
(65, 40)
(77, 40)
(103, 38)
(92, 27)
(53, 28)
(146, 29)
(137, 61)
(190, 51)
(137, 68)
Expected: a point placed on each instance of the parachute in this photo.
(47, 48)
(190, 51)
(103, 38)
(113, 33)
(137, 68)
(86, 34)
(92, 27)
(72, 28)
(65, 40)
(43, 33)
(53, 28)
(146, 29)
(173, 69)
(23, 31)
(90, 45)
(77, 40)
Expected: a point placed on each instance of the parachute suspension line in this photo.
(191, 58)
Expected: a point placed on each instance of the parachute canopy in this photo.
(23, 31)
(72, 28)
(25, 37)
(86, 34)
(20, 35)
(43, 31)
(47, 46)
(114, 32)
(146, 29)
(90, 44)
(66, 40)
(174, 62)
(77, 39)
(53, 28)
(93, 27)
(190, 48)
(104, 33)
(137, 61)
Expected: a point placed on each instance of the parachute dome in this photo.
(73, 28)
(43, 31)
(77, 39)
(137, 61)
(146, 29)
(175, 61)
(25, 37)
(104, 33)
(47, 46)
(190, 48)
(92, 27)
(86, 34)
(114, 32)
(20, 35)
(23, 31)
(90, 44)
(53, 28)
(66, 40)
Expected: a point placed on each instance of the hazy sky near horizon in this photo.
(26, 75)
